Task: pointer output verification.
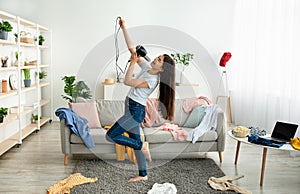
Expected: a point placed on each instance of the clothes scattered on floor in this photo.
(165, 188)
(263, 141)
(65, 186)
(223, 184)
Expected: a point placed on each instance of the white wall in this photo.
(79, 25)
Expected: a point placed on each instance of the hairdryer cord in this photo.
(118, 68)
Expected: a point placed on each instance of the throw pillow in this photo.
(87, 110)
(195, 117)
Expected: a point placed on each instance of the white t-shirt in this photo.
(140, 95)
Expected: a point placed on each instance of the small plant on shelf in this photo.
(3, 113)
(34, 118)
(183, 59)
(42, 74)
(27, 80)
(41, 39)
(5, 27)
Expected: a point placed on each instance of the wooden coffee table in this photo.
(286, 147)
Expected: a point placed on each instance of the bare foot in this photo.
(146, 152)
(138, 178)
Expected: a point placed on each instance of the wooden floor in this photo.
(38, 164)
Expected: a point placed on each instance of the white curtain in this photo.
(264, 74)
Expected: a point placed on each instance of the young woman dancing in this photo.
(161, 71)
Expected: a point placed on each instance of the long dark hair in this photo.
(167, 88)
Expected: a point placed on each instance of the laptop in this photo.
(282, 132)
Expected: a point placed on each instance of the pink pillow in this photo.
(87, 110)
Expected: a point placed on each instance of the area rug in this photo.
(188, 175)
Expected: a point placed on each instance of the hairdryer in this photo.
(141, 52)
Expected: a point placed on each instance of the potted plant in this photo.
(75, 90)
(3, 113)
(42, 74)
(5, 27)
(41, 39)
(4, 61)
(34, 118)
(183, 59)
(27, 80)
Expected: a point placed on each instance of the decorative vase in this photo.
(27, 83)
(183, 78)
(4, 86)
(4, 61)
(1, 119)
(3, 35)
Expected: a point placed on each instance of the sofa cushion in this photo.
(98, 135)
(154, 135)
(179, 115)
(195, 117)
(87, 110)
(110, 110)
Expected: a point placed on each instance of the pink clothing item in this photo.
(190, 103)
(178, 133)
(152, 114)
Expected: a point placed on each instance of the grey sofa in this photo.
(161, 142)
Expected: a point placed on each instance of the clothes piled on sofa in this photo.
(77, 124)
(178, 133)
(209, 122)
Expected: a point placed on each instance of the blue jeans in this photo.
(130, 123)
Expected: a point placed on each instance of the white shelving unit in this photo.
(35, 99)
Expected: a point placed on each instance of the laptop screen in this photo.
(284, 130)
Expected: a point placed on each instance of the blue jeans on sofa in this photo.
(130, 123)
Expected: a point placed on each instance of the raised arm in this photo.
(129, 81)
(128, 40)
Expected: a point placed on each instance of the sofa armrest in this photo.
(65, 134)
(221, 130)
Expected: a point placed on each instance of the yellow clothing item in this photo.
(121, 149)
(65, 186)
(295, 143)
